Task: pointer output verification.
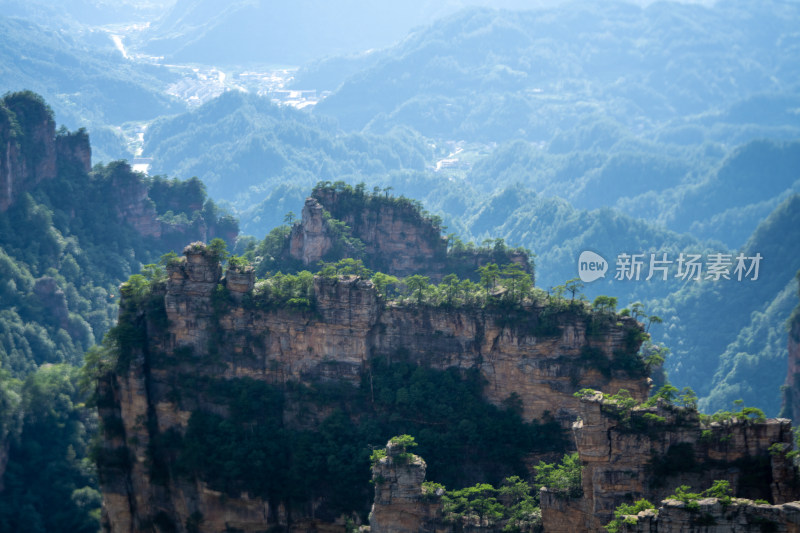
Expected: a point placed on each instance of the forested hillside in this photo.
(294, 33)
(87, 85)
(746, 350)
(65, 246)
(243, 146)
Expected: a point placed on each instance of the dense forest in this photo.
(652, 128)
(64, 249)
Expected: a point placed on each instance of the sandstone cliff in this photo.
(30, 150)
(648, 452)
(400, 505)
(393, 235)
(213, 328)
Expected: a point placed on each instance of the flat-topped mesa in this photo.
(333, 334)
(391, 234)
(633, 453)
(351, 324)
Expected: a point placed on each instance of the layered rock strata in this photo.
(335, 342)
(647, 453)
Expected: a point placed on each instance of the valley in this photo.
(244, 247)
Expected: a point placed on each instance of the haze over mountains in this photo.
(640, 128)
(614, 127)
(680, 117)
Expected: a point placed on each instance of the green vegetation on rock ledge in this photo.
(253, 450)
(626, 514)
(512, 503)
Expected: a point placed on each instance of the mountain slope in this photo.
(495, 75)
(68, 237)
(86, 86)
(738, 351)
(287, 33)
(243, 145)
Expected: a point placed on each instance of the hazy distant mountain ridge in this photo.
(496, 75)
(286, 33)
(85, 86)
(243, 145)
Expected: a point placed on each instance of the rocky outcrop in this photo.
(335, 342)
(403, 504)
(741, 516)
(30, 149)
(132, 205)
(128, 193)
(310, 240)
(391, 234)
(395, 235)
(33, 152)
(27, 145)
(73, 149)
(400, 504)
(646, 453)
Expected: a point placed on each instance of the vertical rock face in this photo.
(188, 303)
(74, 149)
(334, 343)
(400, 506)
(647, 453)
(27, 145)
(561, 513)
(240, 282)
(132, 204)
(310, 240)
